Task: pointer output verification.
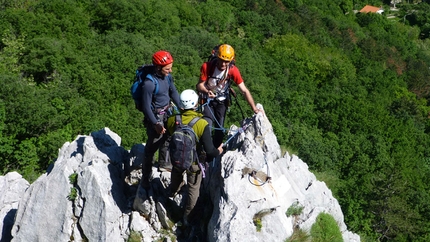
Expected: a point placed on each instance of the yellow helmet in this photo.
(226, 52)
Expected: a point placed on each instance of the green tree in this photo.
(11, 52)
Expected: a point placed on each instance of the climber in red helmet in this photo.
(155, 105)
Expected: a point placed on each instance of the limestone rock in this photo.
(12, 186)
(92, 193)
(255, 181)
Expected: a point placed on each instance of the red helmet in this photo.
(162, 58)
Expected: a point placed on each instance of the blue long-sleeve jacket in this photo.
(151, 102)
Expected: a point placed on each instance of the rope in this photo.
(213, 115)
(233, 93)
(238, 131)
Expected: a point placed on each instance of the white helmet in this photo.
(189, 99)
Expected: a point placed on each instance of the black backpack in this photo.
(182, 147)
(143, 72)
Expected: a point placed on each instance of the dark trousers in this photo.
(155, 142)
(214, 113)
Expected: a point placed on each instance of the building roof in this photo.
(371, 9)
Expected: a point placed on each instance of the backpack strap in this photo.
(178, 119)
(212, 66)
(193, 121)
(191, 124)
(155, 81)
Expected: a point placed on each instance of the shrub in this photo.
(325, 229)
(295, 209)
(73, 178)
(73, 194)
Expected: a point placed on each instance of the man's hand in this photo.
(211, 94)
(257, 110)
(159, 128)
(220, 149)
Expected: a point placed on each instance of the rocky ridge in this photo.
(91, 193)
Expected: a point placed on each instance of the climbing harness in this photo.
(213, 115)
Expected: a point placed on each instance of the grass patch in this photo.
(257, 223)
(299, 236)
(164, 234)
(325, 229)
(257, 219)
(134, 237)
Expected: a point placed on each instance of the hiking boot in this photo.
(183, 223)
(197, 235)
(184, 230)
(141, 202)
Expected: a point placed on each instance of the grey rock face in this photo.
(49, 211)
(92, 193)
(256, 182)
(12, 186)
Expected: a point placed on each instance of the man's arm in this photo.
(248, 97)
(208, 146)
(201, 85)
(147, 92)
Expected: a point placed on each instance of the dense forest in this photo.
(345, 91)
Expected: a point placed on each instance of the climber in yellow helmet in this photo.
(216, 76)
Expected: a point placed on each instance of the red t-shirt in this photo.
(233, 72)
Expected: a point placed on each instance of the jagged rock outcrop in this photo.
(12, 187)
(89, 193)
(256, 182)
